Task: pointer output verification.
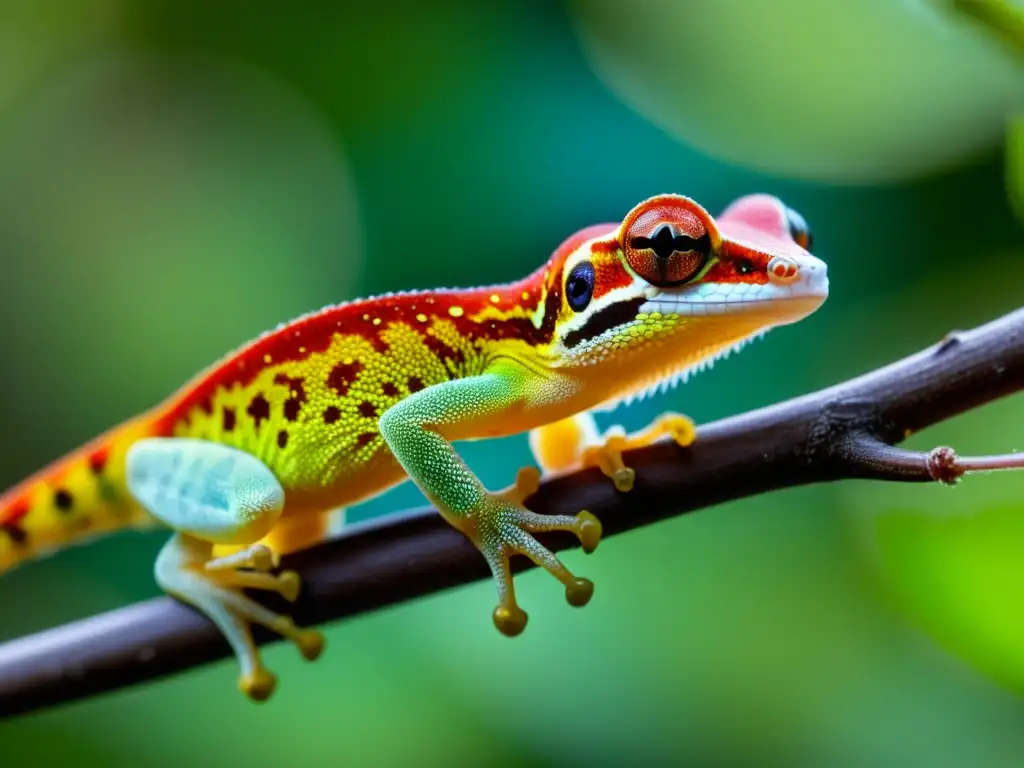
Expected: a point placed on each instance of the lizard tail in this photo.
(74, 499)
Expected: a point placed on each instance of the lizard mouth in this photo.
(783, 303)
(796, 297)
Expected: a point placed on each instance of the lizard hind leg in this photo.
(211, 495)
(576, 442)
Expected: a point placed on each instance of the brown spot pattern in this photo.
(389, 389)
(15, 532)
(444, 352)
(282, 439)
(229, 419)
(342, 376)
(296, 399)
(368, 409)
(365, 439)
(415, 384)
(259, 409)
(63, 500)
(331, 414)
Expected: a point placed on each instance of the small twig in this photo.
(946, 467)
(846, 431)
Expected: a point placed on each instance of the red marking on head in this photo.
(575, 240)
(609, 274)
(343, 376)
(738, 264)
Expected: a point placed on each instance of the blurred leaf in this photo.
(950, 558)
(166, 199)
(844, 91)
(962, 578)
(36, 37)
(1003, 18)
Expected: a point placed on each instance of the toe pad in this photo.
(510, 621)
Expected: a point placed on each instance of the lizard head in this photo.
(672, 278)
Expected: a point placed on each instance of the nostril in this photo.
(783, 270)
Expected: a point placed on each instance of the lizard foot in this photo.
(258, 557)
(185, 570)
(502, 527)
(608, 455)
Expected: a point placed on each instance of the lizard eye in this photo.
(667, 244)
(798, 229)
(579, 286)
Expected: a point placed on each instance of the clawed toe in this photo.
(258, 685)
(263, 559)
(527, 483)
(579, 592)
(681, 428)
(310, 644)
(510, 620)
(288, 585)
(624, 479)
(589, 530)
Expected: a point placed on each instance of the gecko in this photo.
(249, 460)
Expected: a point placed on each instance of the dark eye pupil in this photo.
(580, 286)
(744, 266)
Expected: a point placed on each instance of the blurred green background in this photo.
(178, 176)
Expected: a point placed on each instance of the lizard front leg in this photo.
(212, 495)
(576, 443)
(497, 523)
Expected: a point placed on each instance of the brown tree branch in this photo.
(846, 431)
